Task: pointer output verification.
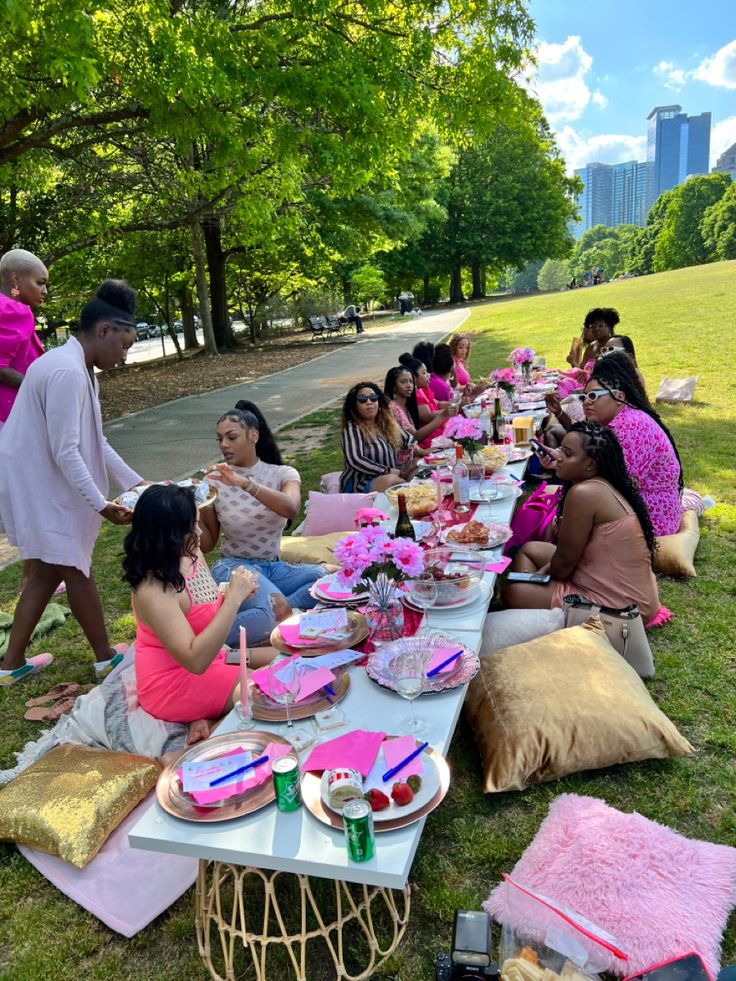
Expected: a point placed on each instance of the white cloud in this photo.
(604, 148)
(720, 70)
(560, 83)
(672, 77)
(722, 135)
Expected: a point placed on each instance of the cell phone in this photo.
(538, 578)
(541, 450)
(689, 967)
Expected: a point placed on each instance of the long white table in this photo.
(297, 842)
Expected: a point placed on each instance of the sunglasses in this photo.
(362, 399)
(593, 396)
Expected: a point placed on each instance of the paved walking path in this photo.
(173, 440)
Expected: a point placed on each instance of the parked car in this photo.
(178, 327)
(142, 331)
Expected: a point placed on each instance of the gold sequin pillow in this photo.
(71, 800)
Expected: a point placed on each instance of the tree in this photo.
(555, 274)
(718, 226)
(680, 242)
(367, 285)
(610, 251)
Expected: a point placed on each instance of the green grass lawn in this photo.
(682, 324)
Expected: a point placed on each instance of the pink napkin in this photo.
(290, 635)
(356, 750)
(396, 750)
(337, 594)
(250, 779)
(315, 679)
(442, 655)
(499, 566)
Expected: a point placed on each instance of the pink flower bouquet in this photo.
(521, 356)
(370, 555)
(507, 379)
(467, 432)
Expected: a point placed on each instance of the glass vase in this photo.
(384, 612)
(526, 372)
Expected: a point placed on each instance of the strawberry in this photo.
(415, 782)
(402, 794)
(377, 799)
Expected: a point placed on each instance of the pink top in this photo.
(440, 388)
(19, 345)
(461, 373)
(425, 397)
(404, 420)
(651, 461)
(166, 689)
(574, 380)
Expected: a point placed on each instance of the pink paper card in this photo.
(442, 655)
(499, 566)
(396, 750)
(312, 681)
(337, 594)
(356, 750)
(247, 781)
(291, 636)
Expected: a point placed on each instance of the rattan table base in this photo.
(343, 921)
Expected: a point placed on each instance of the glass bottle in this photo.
(404, 528)
(460, 482)
(497, 421)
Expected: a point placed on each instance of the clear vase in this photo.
(384, 612)
(526, 372)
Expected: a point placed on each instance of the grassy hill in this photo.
(682, 324)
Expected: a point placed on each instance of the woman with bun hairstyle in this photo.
(54, 469)
(427, 406)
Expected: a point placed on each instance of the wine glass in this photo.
(284, 685)
(409, 671)
(423, 591)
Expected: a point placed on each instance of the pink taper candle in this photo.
(243, 672)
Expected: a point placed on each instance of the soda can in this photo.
(285, 772)
(357, 819)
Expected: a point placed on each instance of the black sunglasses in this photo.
(362, 399)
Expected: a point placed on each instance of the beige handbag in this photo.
(624, 628)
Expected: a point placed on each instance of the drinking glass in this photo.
(489, 490)
(409, 671)
(423, 591)
(476, 476)
(284, 685)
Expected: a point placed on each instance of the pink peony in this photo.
(458, 427)
(521, 355)
(407, 556)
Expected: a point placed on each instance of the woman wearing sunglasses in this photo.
(371, 442)
(614, 397)
(605, 539)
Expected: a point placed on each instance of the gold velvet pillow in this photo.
(71, 800)
(560, 704)
(675, 554)
(314, 549)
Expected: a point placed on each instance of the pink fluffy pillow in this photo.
(333, 512)
(660, 894)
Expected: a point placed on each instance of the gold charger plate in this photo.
(268, 711)
(175, 802)
(211, 497)
(358, 632)
(313, 799)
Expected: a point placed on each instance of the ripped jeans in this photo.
(276, 581)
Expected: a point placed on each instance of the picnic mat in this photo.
(53, 616)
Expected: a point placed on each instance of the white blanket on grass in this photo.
(108, 717)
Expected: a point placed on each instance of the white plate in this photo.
(498, 534)
(331, 581)
(483, 591)
(430, 786)
(505, 491)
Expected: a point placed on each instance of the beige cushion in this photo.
(560, 704)
(316, 549)
(675, 554)
(69, 801)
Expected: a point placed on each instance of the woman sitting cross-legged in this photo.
(257, 496)
(605, 539)
(181, 619)
(371, 442)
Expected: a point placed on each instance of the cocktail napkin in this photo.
(247, 781)
(356, 750)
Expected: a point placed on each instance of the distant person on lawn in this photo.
(54, 466)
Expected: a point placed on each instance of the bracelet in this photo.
(257, 491)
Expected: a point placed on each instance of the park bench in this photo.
(326, 326)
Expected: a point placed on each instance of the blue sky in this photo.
(605, 64)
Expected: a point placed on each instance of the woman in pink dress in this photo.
(459, 345)
(605, 538)
(427, 406)
(399, 389)
(23, 288)
(182, 619)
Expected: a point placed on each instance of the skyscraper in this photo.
(595, 201)
(726, 163)
(613, 194)
(678, 145)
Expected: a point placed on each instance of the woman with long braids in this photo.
(605, 539)
(614, 397)
(371, 442)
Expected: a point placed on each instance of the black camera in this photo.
(471, 949)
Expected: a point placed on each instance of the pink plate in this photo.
(466, 666)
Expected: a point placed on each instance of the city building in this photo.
(613, 194)
(678, 146)
(726, 163)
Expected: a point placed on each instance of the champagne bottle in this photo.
(404, 527)
(498, 426)
(460, 482)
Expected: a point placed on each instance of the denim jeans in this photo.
(275, 579)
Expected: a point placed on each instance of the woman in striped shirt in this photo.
(371, 442)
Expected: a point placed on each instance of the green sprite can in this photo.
(286, 782)
(357, 819)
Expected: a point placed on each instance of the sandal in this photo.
(52, 713)
(63, 690)
(32, 666)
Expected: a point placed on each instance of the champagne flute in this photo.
(409, 674)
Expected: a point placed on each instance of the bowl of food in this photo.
(493, 457)
(456, 573)
(421, 497)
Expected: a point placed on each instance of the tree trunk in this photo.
(169, 325)
(187, 319)
(200, 270)
(477, 271)
(425, 280)
(212, 230)
(456, 285)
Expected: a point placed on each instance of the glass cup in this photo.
(409, 671)
(476, 476)
(423, 591)
(284, 685)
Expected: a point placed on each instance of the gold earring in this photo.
(15, 291)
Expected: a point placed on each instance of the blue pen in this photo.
(389, 774)
(450, 659)
(241, 769)
(330, 690)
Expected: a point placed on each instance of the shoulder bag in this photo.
(625, 630)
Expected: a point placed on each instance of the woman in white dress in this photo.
(54, 467)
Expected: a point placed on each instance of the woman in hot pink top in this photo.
(23, 288)
(460, 347)
(181, 619)
(427, 406)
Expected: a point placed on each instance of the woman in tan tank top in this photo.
(605, 538)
